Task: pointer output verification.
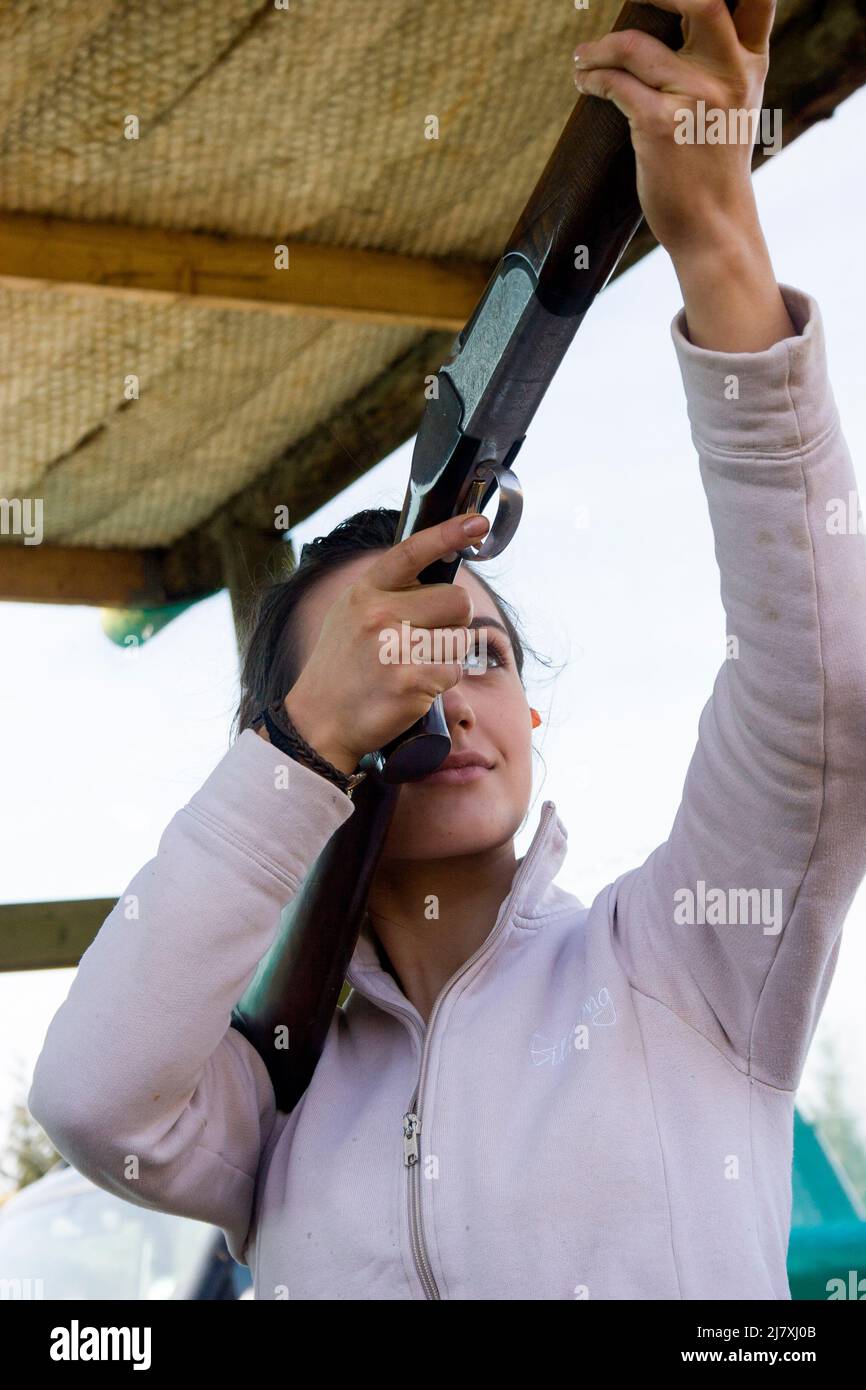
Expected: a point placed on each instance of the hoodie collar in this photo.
(531, 889)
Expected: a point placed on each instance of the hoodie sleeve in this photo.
(734, 921)
(141, 1082)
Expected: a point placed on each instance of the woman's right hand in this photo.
(348, 701)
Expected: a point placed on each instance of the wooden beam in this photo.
(817, 60)
(48, 936)
(55, 935)
(68, 574)
(224, 272)
(224, 553)
(110, 578)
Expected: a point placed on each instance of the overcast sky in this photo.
(613, 573)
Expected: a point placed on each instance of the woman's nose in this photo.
(457, 703)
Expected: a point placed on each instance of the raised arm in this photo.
(771, 832)
(734, 921)
(141, 1083)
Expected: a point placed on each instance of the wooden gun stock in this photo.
(294, 992)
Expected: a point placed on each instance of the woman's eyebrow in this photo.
(488, 622)
(482, 621)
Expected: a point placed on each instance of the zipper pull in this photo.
(411, 1130)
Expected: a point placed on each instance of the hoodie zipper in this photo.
(411, 1123)
(411, 1157)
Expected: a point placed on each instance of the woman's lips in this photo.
(455, 775)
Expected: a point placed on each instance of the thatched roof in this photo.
(150, 260)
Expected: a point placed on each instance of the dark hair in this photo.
(271, 663)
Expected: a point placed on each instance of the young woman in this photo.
(600, 1099)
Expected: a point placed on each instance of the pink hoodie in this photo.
(604, 1095)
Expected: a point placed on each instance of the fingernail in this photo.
(474, 525)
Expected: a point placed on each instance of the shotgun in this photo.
(581, 216)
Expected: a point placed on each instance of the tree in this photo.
(28, 1153)
(838, 1125)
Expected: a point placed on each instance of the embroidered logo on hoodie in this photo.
(598, 1011)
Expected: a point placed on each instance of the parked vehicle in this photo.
(827, 1250)
(62, 1237)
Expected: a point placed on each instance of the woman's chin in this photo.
(455, 820)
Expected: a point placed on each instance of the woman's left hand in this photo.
(697, 197)
(689, 192)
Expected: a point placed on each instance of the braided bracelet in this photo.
(285, 736)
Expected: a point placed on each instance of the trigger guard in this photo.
(508, 513)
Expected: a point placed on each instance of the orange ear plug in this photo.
(536, 717)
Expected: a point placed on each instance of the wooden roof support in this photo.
(250, 557)
(44, 936)
(225, 553)
(818, 59)
(238, 273)
(110, 578)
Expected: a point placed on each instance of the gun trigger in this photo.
(508, 511)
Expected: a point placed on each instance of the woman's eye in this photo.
(480, 657)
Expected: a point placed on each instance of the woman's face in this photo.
(487, 713)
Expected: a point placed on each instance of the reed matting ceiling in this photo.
(257, 127)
